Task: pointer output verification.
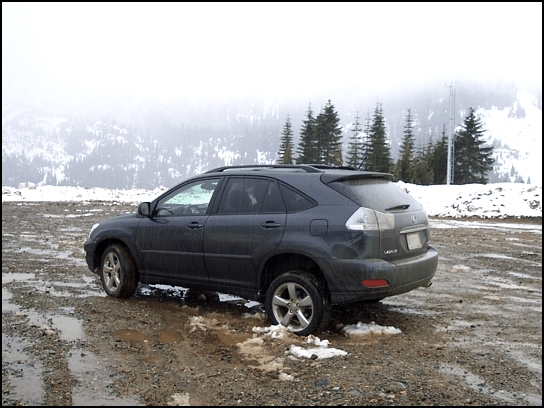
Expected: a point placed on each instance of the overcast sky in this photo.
(159, 51)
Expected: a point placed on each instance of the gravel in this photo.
(472, 338)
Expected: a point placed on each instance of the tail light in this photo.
(366, 219)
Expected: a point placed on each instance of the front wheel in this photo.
(295, 300)
(118, 272)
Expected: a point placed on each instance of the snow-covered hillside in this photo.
(51, 150)
(518, 128)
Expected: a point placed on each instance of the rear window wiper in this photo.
(398, 207)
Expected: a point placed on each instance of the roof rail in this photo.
(256, 167)
(328, 166)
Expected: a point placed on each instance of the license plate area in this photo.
(413, 240)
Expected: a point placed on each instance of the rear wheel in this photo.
(118, 272)
(295, 300)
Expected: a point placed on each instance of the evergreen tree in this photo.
(437, 160)
(403, 165)
(472, 161)
(306, 150)
(428, 155)
(419, 172)
(379, 151)
(355, 146)
(328, 135)
(285, 152)
(366, 144)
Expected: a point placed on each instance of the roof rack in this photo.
(327, 166)
(309, 168)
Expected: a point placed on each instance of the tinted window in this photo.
(293, 200)
(243, 195)
(272, 200)
(377, 194)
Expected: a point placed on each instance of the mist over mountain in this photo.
(129, 144)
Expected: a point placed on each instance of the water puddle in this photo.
(516, 299)
(24, 372)
(524, 276)
(537, 229)
(477, 383)
(500, 256)
(232, 339)
(416, 306)
(19, 277)
(53, 253)
(53, 288)
(93, 387)
(56, 289)
(504, 283)
(68, 327)
(170, 336)
(79, 215)
(130, 335)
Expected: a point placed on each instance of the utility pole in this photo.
(449, 176)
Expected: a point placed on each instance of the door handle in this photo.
(270, 224)
(194, 225)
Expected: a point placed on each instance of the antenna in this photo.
(449, 175)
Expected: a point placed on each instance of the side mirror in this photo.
(144, 209)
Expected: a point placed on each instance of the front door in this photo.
(171, 241)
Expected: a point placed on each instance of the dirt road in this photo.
(473, 338)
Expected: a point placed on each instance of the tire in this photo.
(118, 272)
(295, 300)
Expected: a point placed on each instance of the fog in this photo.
(78, 55)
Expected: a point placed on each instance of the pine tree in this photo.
(306, 150)
(328, 136)
(403, 165)
(438, 158)
(366, 144)
(419, 169)
(355, 146)
(428, 155)
(285, 152)
(379, 151)
(472, 161)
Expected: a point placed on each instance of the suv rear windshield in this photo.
(376, 194)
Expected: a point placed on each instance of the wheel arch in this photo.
(285, 262)
(105, 243)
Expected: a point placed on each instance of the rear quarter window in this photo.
(295, 201)
(377, 194)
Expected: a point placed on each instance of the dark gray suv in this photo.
(299, 238)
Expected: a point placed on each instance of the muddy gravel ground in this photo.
(472, 338)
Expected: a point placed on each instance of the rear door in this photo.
(248, 224)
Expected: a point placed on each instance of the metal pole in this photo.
(449, 175)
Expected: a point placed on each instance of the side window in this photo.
(293, 200)
(190, 199)
(272, 200)
(244, 196)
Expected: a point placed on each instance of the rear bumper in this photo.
(346, 275)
